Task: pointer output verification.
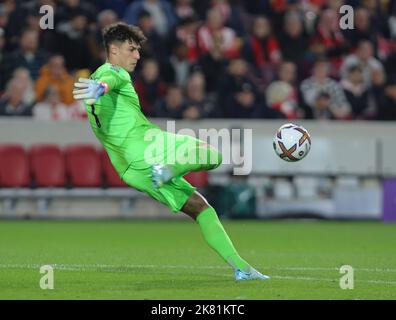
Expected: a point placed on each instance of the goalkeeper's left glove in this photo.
(89, 90)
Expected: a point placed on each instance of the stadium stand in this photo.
(47, 166)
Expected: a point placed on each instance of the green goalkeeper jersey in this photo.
(117, 120)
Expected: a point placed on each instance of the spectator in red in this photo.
(329, 35)
(215, 25)
(149, 86)
(261, 49)
(280, 96)
(186, 32)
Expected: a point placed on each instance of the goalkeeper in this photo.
(143, 154)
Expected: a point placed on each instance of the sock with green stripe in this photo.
(217, 238)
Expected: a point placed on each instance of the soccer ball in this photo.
(292, 142)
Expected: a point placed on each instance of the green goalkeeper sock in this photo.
(217, 238)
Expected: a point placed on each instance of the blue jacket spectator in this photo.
(160, 10)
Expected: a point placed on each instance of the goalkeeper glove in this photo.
(89, 90)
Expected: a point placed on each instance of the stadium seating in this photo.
(47, 165)
(46, 172)
(111, 177)
(83, 165)
(14, 166)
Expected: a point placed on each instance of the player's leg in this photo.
(213, 231)
(190, 155)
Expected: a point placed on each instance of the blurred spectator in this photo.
(55, 74)
(28, 56)
(261, 49)
(363, 29)
(184, 8)
(281, 97)
(321, 107)
(387, 103)
(117, 6)
(22, 76)
(72, 42)
(68, 9)
(172, 105)
(320, 82)
(236, 74)
(186, 31)
(364, 57)
(292, 39)
(161, 11)
(287, 72)
(358, 94)
(95, 39)
(234, 14)
(154, 47)
(390, 62)
(213, 65)
(243, 103)
(149, 86)
(2, 55)
(4, 19)
(198, 105)
(177, 68)
(288, 104)
(51, 108)
(329, 35)
(214, 26)
(11, 103)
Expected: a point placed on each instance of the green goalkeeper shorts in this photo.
(173, 194)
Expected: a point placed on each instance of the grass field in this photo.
(170, 260)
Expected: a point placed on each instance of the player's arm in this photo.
(91, 90)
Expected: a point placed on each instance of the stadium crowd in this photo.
(208, 58)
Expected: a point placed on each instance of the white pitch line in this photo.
(103, 266)
(117, 268)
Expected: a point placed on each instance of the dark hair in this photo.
(322, 94)
(120, 32)
(354, 67)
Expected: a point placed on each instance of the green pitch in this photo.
(170, 260)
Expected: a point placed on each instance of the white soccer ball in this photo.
(292, 142)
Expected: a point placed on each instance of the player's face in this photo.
(128, 55)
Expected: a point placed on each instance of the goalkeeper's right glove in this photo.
(89, 90)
